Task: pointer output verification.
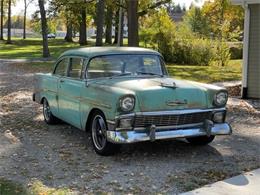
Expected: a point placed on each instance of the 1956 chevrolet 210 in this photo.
(124, 95)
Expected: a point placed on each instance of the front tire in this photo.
(98, 136)
(49, 118)
(201, 140)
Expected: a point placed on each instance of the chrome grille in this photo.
(171, 120)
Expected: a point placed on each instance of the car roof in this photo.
(100, 51)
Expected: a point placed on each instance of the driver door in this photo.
(69, 92)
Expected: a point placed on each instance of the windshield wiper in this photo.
(149, 73)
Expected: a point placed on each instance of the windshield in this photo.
(125, 65)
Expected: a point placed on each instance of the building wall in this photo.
(253, 79)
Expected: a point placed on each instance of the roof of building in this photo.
(99, 51)
(242, 2)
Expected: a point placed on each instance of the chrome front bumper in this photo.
(131, 136)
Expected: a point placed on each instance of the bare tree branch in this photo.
(153, 6)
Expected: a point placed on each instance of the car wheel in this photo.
(201, 140)
(49, 118)
(99, 137)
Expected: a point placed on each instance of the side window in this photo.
(75, 70)
(61, 68)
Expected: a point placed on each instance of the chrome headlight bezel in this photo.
(220, 98)
(127, 103)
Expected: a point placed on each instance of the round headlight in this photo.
(221, 98)
(127, 103)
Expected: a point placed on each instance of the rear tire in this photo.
(201, 140)
(49, 118)
(98, 135)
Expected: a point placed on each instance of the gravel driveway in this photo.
(62, 156)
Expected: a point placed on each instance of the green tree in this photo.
(136, 9)
(224, 18)
(158, 30)
(36, 24)
(26, 4)
(197, 22)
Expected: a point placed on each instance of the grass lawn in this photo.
(35, 188)
(207, 74)
(10, 188)
(32, 48)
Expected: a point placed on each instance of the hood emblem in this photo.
(176, 102)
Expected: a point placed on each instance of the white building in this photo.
(251, 52)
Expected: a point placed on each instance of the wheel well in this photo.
(42, 100)
(90, 116)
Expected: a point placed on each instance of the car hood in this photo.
(157, 94)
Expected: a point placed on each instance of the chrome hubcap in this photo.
(46, 110)
(99, 132)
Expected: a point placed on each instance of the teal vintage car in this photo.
(125, 95)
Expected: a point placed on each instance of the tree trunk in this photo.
(2, 20)
(120, 26)
(46, 52)
(83, 28)
(109, 17)
(24, 19)
(100, 22)
(9, 23)
(133, 39)
(116, 26)
(69, 33)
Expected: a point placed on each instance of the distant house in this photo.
(16, 32)
(251, 50)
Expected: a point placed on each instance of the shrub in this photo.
(179, 44)
(222, 53)
(236, 50)
(188, 51)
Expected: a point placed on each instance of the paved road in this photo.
(62, 156)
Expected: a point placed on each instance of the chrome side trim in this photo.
(124, 137)
(171, 112)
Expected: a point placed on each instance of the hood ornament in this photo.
(176, 102)
(168, 83)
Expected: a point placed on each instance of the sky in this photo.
(19, 7)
